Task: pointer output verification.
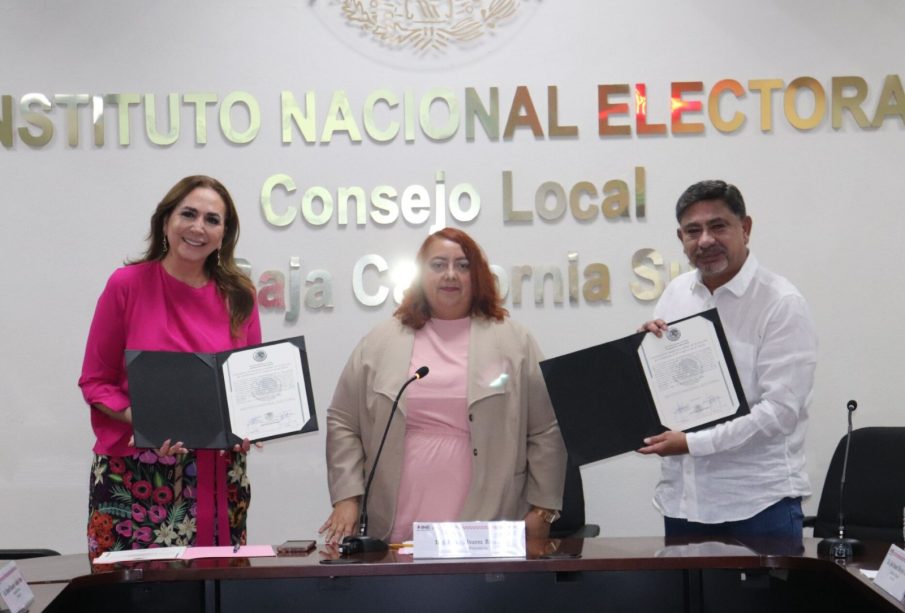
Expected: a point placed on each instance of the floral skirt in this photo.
(145, 500)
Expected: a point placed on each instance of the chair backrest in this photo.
(21, 554)
(571, 521)
(874, 494)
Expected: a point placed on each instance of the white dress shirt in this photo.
(738, 468)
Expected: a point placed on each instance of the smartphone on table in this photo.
(296, 547)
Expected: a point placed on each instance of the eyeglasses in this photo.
(441, 265)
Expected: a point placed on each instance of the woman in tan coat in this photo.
(476, 440)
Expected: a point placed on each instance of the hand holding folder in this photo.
(610, 397)
(216, 401)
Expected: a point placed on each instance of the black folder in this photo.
(602, 399)
(183, 397)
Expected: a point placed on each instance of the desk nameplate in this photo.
(472, 539)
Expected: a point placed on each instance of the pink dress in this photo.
(436, 470)
(143, 307)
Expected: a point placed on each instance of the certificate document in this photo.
(688, 375)
(265, 391)
(609, 397)
(214, 400)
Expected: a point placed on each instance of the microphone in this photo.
(840, 547)
(364, 543)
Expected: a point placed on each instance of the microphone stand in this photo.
(362, 543)
(841, 547)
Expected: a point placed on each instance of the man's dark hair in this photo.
(712, 190)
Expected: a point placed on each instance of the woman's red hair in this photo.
(485, 298)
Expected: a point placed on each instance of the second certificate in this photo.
(688, 375)
(265, 390)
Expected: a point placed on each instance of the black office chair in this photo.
(874, 487)
(21, 554)
(571, 522)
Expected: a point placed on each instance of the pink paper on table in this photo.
(246, 551)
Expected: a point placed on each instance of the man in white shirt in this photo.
(744, 477)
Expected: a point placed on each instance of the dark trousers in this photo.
(780, 520)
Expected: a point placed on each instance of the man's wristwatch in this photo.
(548, 515)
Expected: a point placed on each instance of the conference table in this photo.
(601, 574)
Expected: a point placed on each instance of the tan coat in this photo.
(519, 456)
